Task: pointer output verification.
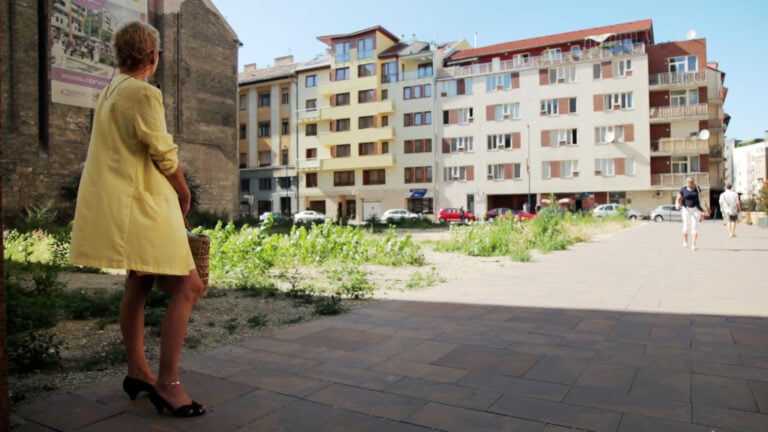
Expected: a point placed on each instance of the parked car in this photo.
(521, 215)
(668, 213)
(497, 212)
(604, 210)
(310, 216)
(398, 215)
(452, 214)
(276, 217)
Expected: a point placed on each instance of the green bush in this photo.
(34, 350)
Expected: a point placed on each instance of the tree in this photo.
(761, 203)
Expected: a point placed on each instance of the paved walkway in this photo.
(630, 332)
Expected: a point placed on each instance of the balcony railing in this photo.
(566, 58)
(358, 162)
(678, 112)
(678, 180)
(679, 146)
(677, 79)
(308, 165)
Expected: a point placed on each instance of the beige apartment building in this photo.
(590, 116)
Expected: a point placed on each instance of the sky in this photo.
(735, 32)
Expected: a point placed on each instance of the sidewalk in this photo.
(629, 332)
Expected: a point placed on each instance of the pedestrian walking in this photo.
(689, 203)
(730, 206)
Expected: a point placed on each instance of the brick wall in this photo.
(42, 154)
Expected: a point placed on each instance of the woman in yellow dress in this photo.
(130, 215)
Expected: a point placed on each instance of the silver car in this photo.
(604, 210)
(666, 213)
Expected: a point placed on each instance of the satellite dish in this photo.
(610, 136)
(704, 135)
(690, 34)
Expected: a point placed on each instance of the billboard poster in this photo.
(82, 55)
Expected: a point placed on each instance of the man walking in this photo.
(730, 207)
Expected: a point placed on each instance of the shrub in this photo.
(34, 350)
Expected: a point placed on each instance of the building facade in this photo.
(584, 117)
(750, 168)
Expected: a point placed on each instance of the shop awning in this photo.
(419, 193)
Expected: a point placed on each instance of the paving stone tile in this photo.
(127, 422)
(663, 384)
(30, 427)
(340, 339)
(640, 360)
(299, 416)
(709, 353)
(756, 337)
(670, 336)
(449, 394)
(722, 392)
(557, 413)
(608, 376)
(630, 332)
(754, 360)
(356, 422)
(67, 412)
(427, 351)
(391, 346)
(366, 401)
(558, 369)
(280, 382)
(432, 372)
(353, 376)
(212, 391)
(299, 331)
(635, 423)
(710, 335)
(760, 392)
(215, 366)
(515, 386)
(489, 359)
(649, 406)
(451, 418)
(745, 372)
(730, 419)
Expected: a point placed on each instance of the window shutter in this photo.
(446, 145)
(333, 100)
(597, 100)
(516, 140)
(515, 80)
(460, 87)
(607, 69)
(375, 121)
(453, 116)
(333, 151)
(562, 106)
(629, 133)
(619, 166)
(470, 172)
(545, 138)
(554, 168)
(490, 112)
(508, 171)
(543, 76)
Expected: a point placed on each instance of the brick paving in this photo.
(629, 332)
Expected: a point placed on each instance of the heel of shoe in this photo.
(158, 402)
(133, 386)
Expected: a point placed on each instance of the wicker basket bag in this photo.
(200, 245)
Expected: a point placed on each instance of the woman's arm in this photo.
(180, 186)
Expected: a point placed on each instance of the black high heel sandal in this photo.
(134, 386)
(190, 410)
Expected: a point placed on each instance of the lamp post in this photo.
(528, 166)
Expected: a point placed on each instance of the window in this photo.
(243, 132)
(311, 129)
(407, 91)
(507, 111)
(684, 97)
(683, 64)
(264, 99)
(569, 168)
(421, 174)
(311, 81)
(341, 125)
(418, 146)
(366, 122)
(365, 48)
(562, 74)
(425, 70)
(602, 134)
(629, 166)
(552, 55)
(417, 92)
(384, 121)
(265, 158)
(245, 186)
(546, 171)
(521, 60)
(618, 101)
(461, 86)
(285, 97)
(265, 184)
(310, 179)
(417, 119)
(621, 67)
(311, 104)
(679, 164)
(564, 137)
(364, 96)
(456, 173)
(384, 94)
(385, 148)
(605, 167)
(462, 144)
(284, 182)
(496, 171)
(341, 150)
(597, 71)
(499, 141)
(284, 127)
(344, 178)
(243, 102)
(549, 107)
(389, 72)
(374, 177)
(466, 115)
(342, 99)
(311, 153)
(365, 70)
(498, 82)
(264, 129)
(243, 160)
(365, 149)
(342, 52)
(342, 74)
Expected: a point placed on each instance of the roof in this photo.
(328, 40)
(405, 49)
(266, 74)
(635, 26)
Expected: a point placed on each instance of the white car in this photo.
(604, 210)
(398, 215)
(310, 216)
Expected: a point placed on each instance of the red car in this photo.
(452, 214)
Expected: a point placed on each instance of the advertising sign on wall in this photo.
(82, 55)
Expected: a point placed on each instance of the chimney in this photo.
(284, 60)
(250, 67)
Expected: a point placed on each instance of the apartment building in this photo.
(750, 168)
(587, 117)
(267, 138)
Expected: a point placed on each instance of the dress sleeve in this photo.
(151, 130)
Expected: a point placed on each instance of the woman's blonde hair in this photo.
(135, 45)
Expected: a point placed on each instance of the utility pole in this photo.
(528, 167)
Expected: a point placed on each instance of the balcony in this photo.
(665, 181)
(308, 115)
(679, 146)
(671, 80)
(359, 162)
(350, 86)
(304, 165)
(357, 110)
(356, 136)
(566, 58)
(682, 112)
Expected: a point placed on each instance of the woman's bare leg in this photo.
(185, 291)
(137, 288)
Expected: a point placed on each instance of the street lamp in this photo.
(528, 166)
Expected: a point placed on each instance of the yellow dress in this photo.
(128, 214)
